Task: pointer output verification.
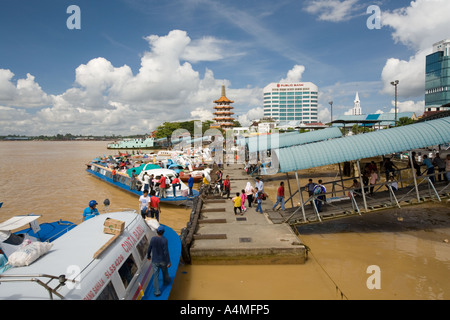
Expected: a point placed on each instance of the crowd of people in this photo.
(252, 195)
(442, 165)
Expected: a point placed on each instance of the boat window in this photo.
(142, 247)
(127, 271)
(15, 239)
(109, 293)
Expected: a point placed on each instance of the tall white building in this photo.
(291, 101)
(357, 106)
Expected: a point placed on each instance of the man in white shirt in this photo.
(259, 184)
(144, 202)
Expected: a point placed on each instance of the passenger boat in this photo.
(123, 181)
(138, 143)
(91, 262)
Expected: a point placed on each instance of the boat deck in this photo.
(175, 252)
(123, 184)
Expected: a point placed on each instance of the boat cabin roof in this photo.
(17, 222)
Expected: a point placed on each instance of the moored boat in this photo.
(89, 263)
(123, 181)
(196, 174)
(47, 231)
(137, 143)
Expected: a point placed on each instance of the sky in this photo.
(124, 67)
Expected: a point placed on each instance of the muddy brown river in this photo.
(393, 254)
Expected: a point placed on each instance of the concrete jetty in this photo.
(221, 237)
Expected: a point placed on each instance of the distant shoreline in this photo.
(53, 140)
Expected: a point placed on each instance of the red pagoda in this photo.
(223, 115)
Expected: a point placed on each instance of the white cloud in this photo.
(209, 49)
(7, 88)
(294, 75)
(107, 99)
(26, 93)
(201, 114)
(409, 106)
(253, 114)
(418, 26)
(324, 114)
(421, 24)
(411, 75)
(332, 10)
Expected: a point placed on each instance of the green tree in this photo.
(167, 128)
(403, 121)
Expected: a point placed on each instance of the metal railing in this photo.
(35, 278)
(395, 196)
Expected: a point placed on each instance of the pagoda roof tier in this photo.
(223, 107)
(223, 119)
(223, 112)
(223, 98)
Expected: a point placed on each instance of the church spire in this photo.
(357, 106)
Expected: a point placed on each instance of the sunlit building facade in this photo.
(291, 102)
(437, 81)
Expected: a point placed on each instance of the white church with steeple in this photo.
(356, 111)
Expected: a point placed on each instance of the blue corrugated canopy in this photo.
(374, 116)
(263, 143)
(382, 142)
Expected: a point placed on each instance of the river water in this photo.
(397, 254)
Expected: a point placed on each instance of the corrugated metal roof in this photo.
(275, 141)
(383, 119)
(414, 136)
(374, 116)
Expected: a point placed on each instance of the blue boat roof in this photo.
(372, 117)
(382, 142)
(382, 119)
(143, 167)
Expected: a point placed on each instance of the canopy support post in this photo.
(342, 180)
(362, 186)
(289, 187)
(301, 196)
(414, 176)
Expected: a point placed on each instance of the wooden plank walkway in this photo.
(218, 236)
